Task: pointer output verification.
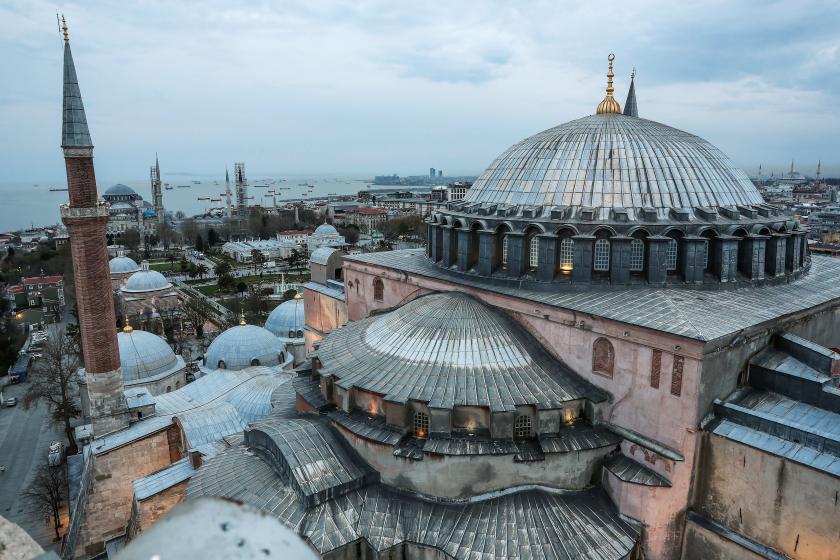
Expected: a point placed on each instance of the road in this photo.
(25, 436)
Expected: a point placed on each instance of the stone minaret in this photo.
(157, 192)
(85, 217)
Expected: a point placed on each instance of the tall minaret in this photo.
(85, 217)
(241, 188)
(227, 193)
(157, 192)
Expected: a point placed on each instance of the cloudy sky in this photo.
(381, 87)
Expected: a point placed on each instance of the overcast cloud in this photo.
(382, 87)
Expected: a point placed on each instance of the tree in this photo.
(257, 258)
(199, 242)
(47, 492)
(131, 239)
(171, 258)
(256, 306)
(296, 259)
(179, 215)
(222, 268)
(192, 271)
(225, 282)
(197, 313)
(350, 233)
(201, 270)
(53, 379)
(167, 234)
(184, 264)
(212, 237)
(241, 287)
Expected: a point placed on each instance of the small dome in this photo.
(325, 229)
(122, 265)
(119, 190)
(287, 320)
(144, 355)
(146, 280)
(449, 349)
(243, 346)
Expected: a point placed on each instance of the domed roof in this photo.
(287, 318)
(146, 280)
(122, 265)
(119, 190)
(144, 355)
(617, 161)
(121, 206)
(239, 346)
(325, 229)
(449, 349)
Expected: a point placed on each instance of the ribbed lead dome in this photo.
(144, 355)
(449, 349)
(614, 161)
(243, 346)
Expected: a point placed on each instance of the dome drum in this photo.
(554, 246)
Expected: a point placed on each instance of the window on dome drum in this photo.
(637, 255)
(603, 357)
(421, 424)
(378, 289)
(671, 255)
(522, 427)
(221, 365)
(706, 253)
(533, 253)
(291, 334)
(567, 254)
(504, 251)
(255, 362)
(300, 334)
(602, 255)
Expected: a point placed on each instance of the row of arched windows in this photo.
(522, 426)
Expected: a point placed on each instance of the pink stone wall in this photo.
(655, 412)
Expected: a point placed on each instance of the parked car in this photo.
(56, 453)
(10, 402)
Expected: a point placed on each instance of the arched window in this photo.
(637, 255)
(671, 255)
(168, 389)
(504, 251)
(421, 424)
(221, 364)
(522, 427)
(300, 334)
(177, 385)
(255, 362)
(567, 254)
(603, 357)
(291, 334)
(705, 254)
(602, 255)
(378, 289)
(533, 253)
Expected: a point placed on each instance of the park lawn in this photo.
(165, 266)
(208, 290)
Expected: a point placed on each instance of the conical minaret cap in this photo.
(74, 127)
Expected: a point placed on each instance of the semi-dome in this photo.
(325, 229)
(146, 280)
(287, 319)
(122, 265)
(449, 349)
(119, 190)
(614, 161)
(243, 346)
(145, 356)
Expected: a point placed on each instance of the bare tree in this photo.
(47, 492)
(197, 313)
(53, 379)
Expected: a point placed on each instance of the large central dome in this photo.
(614, 161)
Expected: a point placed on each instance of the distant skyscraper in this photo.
(431, 173)
(227, 194)
(440, 173)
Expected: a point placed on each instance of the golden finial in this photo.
(298, 296)
(242, 319)
(128, 329)
(609, 104)
(64, 29)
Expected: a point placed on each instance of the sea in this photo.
(24, 205)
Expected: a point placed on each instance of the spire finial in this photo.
(64, 29)
(242, 319)
(609, 104)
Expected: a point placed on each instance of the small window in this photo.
(421, 424)
(504, 250)
(291, 334)
(677, 376)
(533, 253)
(300, 334)
(378, 289)
(603, 357)
(222, 365)
(637, 255)
(602, 255)
(522, 427)
(177, 385)
(168, 389)
(255, 362)
(671, 255)
(567, 253)
(705, 253)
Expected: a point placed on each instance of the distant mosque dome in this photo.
(287, 319)
(243, 346)
(122, 265)
(119, 190)
(145, 356)
(325, 229)
(146, 280)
